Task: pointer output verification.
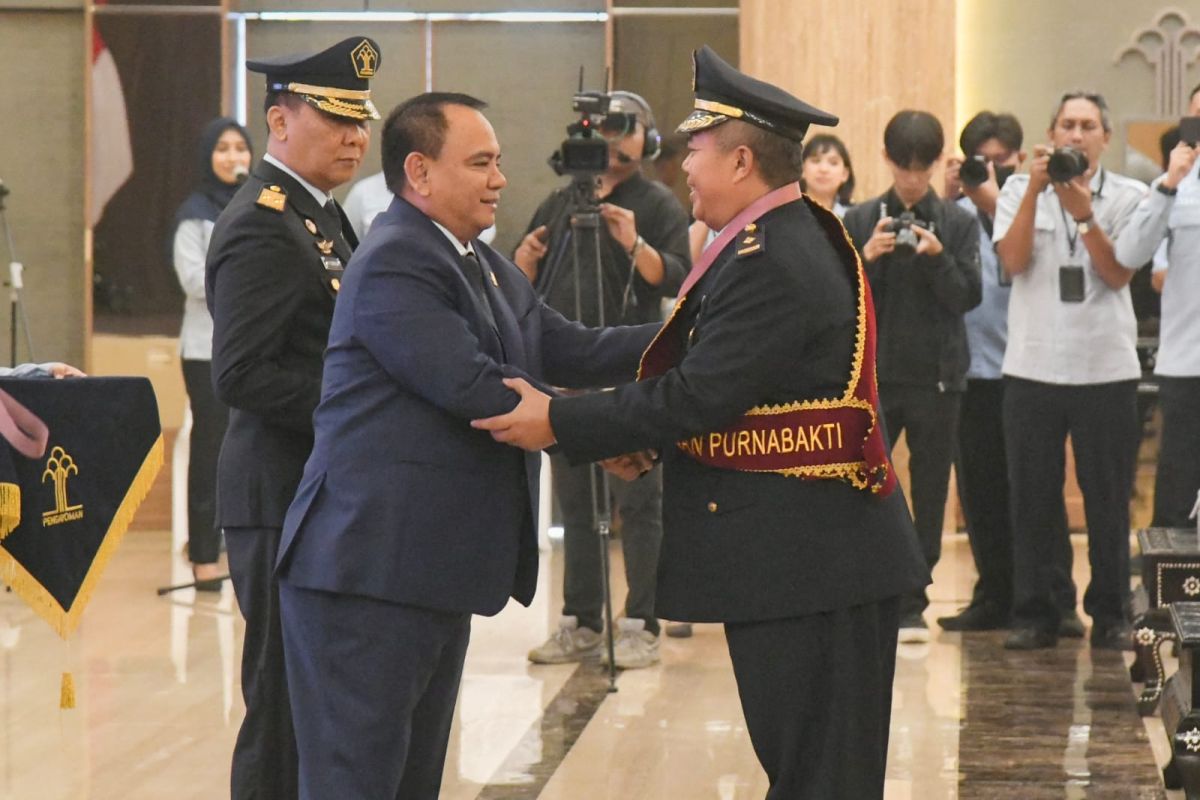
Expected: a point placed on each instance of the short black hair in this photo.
(913, 138)
(821, 144)
(1168, 142)
(281, 98)
(418, 125)
(1095, 98)
(778, 159)
(988, 125)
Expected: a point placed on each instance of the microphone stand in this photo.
(16, 272)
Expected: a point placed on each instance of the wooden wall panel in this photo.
(861, 60)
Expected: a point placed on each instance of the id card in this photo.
(1070, 284)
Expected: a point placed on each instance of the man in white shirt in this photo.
(1170, 216)
(1070, 369)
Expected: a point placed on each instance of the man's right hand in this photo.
(984, 195)
(882, 241)
(1183, 158)
(1039, 175)
(531, 251)
(953, 185)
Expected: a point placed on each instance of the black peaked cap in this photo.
(335, 80)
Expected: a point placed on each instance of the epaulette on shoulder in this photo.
(272, 197)
(751, 241)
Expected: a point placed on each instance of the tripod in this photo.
(16, 282)
(585, 262)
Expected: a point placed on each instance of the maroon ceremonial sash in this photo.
(828, 438)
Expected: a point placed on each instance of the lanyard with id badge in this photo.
(1072, 282)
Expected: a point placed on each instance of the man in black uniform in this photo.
(778, 511)
(274, 268)
(643, 258)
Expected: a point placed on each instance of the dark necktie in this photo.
(335, 219)
(474, 272)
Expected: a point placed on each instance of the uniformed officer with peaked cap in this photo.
(274, 268)
(779, 515)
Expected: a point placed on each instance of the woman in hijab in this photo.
(225, 157)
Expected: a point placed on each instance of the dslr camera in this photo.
(906, 238)
(584, 153)
(1066, 164)
(973, 172)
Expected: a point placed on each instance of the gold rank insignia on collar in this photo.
(325, 246)
(750, 241)
(310, 226)
(272, 197)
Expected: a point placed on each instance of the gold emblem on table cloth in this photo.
(1144, 636)
(1191, 739)
(1191, 586)
(59, 467)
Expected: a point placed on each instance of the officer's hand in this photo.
(621, 224)
(1075, 197)
(953, 186)
(531, 251)
(928, 244)
(1039, 176)
(60, 370)
(882, 241)
(1182, 159)
(528, 425)
(985, 195)
(630, 466)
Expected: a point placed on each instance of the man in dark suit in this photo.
(407, 520)
(274, 268)
(778, 514)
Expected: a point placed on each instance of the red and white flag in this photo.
(112, 154)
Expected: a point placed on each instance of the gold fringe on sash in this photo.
(41, 601)
(10, 508)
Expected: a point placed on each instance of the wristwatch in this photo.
(1085, 225)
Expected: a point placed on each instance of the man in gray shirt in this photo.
(1172, 212)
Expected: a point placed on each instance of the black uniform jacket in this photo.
(271, 292)
(402, 500)
(774, 326)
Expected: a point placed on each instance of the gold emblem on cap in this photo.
(325, 246)
(311, 226)
(365, 58)
(719, 108)
(700, 121)
(271, 197)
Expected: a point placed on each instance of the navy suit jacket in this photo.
(401, 499)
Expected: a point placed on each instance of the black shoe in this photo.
(1113, 636)
(1070, 626)
(974, 618)
(1030, 639)
(913, 629)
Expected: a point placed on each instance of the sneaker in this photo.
(569, 643)
(679, 630)
(974, 618)
(1070, 626)
(635, 647)
(913, 629)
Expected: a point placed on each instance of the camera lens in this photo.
(1066, 163)
(973, 172)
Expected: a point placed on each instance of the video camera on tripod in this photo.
(584, 153)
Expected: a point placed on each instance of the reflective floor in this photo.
(159, 703)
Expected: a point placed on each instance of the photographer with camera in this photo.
(1071, 369)
(643, 258)
(1171, 213)
(922, 260)
(991, 144)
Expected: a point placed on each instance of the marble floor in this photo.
(159, 704)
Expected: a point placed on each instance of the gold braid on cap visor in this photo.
(359, 111)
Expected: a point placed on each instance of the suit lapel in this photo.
(506, 323)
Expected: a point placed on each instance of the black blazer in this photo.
(271, 296)
(402, 500)
(771, 327)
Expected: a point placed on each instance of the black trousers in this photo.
(1177, 479)
(817, 695)
(640, 504)
(374, 685)
(264, 757)
(930, 419)
(982, 471)
(1101, 420)
(209, 420)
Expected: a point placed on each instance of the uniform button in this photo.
(712, 507)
